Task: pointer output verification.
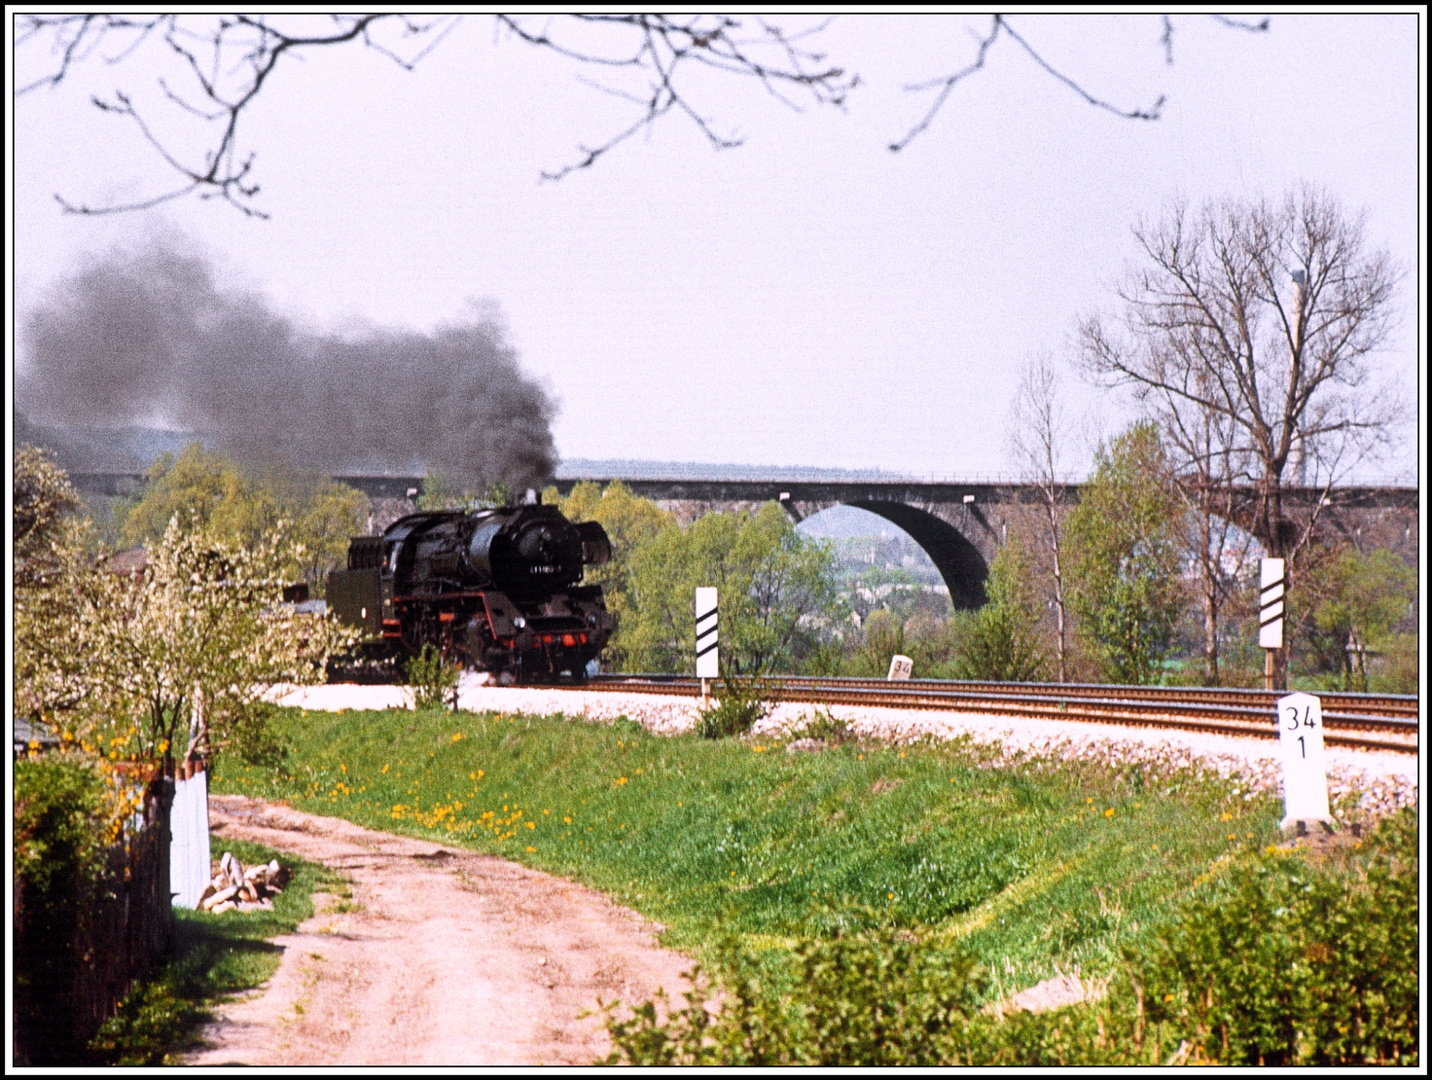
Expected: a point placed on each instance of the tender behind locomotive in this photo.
(496, 590)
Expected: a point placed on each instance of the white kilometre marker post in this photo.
(707, 666)
(1305, 774)
(1271, 606)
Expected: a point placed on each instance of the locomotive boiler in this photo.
(495, 590)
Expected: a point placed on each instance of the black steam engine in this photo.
(495, 590)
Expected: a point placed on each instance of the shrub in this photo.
(878, 997)
(59, 859)
(1289, 963)
(826, 726)
(735, 712)
(432, 678)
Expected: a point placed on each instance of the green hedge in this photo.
(58, 861)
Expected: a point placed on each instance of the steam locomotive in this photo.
(495, 590)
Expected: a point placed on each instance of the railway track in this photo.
(1363, 721)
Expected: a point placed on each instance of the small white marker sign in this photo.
(900, 667)
(1305, 774)
(707, 666)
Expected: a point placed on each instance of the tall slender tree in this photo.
(1038, 431)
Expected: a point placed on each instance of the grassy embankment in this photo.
(214, 958)
(1036, 870)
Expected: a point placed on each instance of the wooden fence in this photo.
(79, 978)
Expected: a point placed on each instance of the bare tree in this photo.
(1038, 431)
(221, 63)
(1260, 319)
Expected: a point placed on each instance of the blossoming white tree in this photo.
(203, 617)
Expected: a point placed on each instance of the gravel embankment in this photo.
(1385, 780)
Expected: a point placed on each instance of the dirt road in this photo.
(446, 957)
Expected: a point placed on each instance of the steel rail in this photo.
(1396, 705)
(1173, 709)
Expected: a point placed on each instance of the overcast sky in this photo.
(807, 299)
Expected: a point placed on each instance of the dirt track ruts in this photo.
(447, 958)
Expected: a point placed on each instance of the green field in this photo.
(1036, 870)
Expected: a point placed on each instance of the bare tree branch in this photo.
(226, 66)
(1000, 24)
(664, 45)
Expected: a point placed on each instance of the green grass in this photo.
(1035, 870)
(214, 957)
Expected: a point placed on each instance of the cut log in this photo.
(227, 905)
(220, 897)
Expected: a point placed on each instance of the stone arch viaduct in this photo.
(961, 526)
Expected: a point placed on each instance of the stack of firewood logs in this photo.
(235, 888)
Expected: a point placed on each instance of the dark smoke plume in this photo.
(151, 339)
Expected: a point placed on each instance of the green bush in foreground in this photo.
(735, 713)
(879, 997)
(1279, 962)
(59, 862)
(432, 678)
(1288, 963)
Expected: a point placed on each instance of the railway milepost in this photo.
(1305, 774)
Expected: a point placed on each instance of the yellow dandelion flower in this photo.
(546, 811)
(892, 895)
(1226, 817)
(342, 767)
(531, 848)
(1109, 812)
(1168, 997)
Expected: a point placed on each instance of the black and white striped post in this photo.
(707, 656)
(1271, 607)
